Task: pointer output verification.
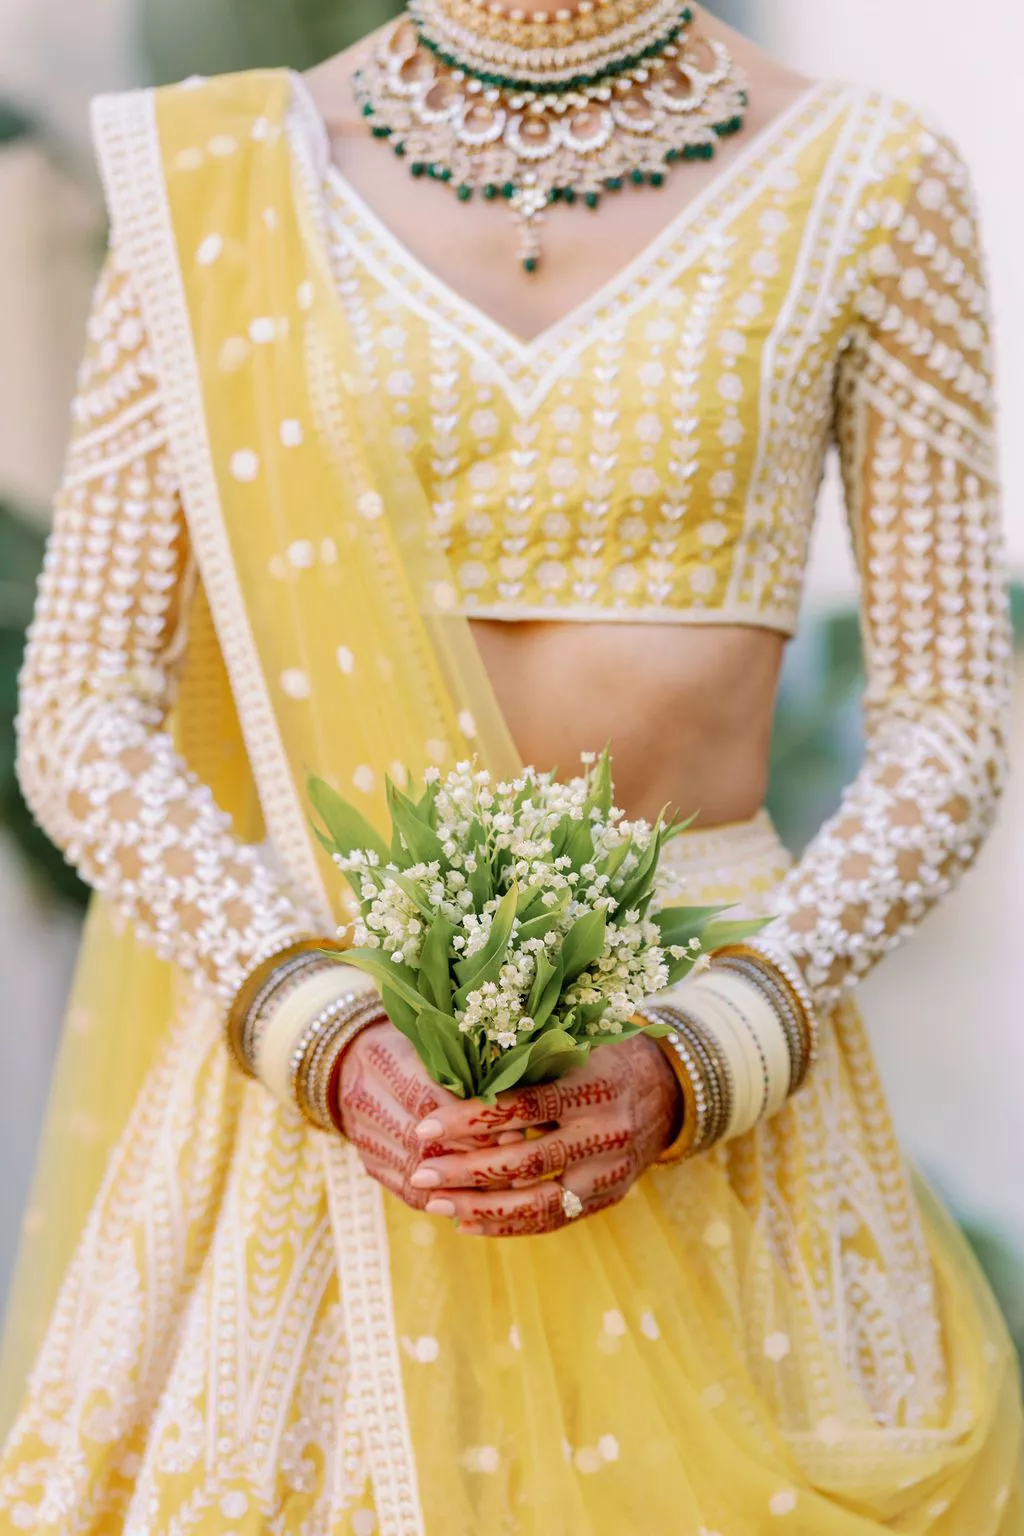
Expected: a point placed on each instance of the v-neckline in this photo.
(520, 358)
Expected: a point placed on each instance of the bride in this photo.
(470, 397)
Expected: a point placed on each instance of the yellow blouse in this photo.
(656, 455)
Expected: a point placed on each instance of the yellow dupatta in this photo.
(570, 1386)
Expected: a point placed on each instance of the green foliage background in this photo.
(208, 37)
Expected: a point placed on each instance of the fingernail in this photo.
(425, 1178)
(441, 1207)
(429, 1130)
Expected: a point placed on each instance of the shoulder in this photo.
(906, 156)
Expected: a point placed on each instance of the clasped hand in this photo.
(499, 1170)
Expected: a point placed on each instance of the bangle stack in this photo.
(293, 1018)
(704, 1077)
(271, 970)
(742, 1040)
(770, 968)
(318, 1052)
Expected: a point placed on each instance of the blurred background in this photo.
(947, 1012)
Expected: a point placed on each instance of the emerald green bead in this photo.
(381, 133)
(671, 157)
(465, 193)
(691, 151)
(614, 184)
(368, 109)
(656, 179)
(444, 173)
(555, 195)
(569, 195)
(509, 189)
(637, 178)
(530, 263)
(418, 168)
(593, 199)
(490, 191)
(708, 151)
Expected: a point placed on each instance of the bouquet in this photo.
(509, 925)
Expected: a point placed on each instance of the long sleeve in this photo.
(97, 765)
(915, 430)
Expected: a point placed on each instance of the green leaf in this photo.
(583, 944)
(656, 1031)
(640, 884)
(579, 846)
(678, 925)
(544, 973)
(435, 971)
(425, 804)
(348, 828)
(485, 965)
(480, 881)
(430, 1050)
(400, 978)
(615, 860)
(720, 933)
(420, 839)
(602, 789)
(552, 1055)
(403, 1016)
(677, 828)
(440, 1032)
(507, 1071)
(546, 990)
(540, 927)
(415, 892)
(627, 1032)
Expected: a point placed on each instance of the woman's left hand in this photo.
(593, 1133)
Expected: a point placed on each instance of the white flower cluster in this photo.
(507, 831)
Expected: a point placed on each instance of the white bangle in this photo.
(750, 1033)
(288, 1023)
(758, 1016)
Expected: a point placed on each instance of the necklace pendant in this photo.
(479, 105)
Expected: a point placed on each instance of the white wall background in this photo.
(961, 67)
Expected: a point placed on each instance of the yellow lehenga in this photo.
(298, 465)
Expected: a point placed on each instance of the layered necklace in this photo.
(551, 109)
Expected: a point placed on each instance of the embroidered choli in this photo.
(655, 456)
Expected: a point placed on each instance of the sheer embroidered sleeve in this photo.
(97, 765)
(915, 430)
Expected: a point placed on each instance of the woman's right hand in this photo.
(383, 1094)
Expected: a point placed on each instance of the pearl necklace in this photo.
(555, 111)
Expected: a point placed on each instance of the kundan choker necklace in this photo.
(548, 109)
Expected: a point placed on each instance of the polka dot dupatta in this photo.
(287, 1349)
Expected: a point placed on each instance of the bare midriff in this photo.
(686, 709)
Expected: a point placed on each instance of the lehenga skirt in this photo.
(785, 1335)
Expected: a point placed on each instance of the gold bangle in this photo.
(686, 1140)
